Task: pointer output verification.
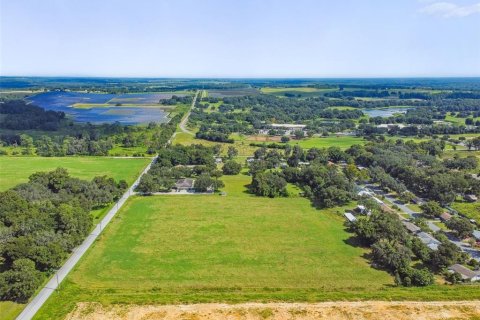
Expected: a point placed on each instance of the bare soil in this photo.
(263, 138)
(365, 310)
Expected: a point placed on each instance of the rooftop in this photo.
(185, 183)
(464, 271)
(411, 227)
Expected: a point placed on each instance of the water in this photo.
(384, 113)
(135, 114)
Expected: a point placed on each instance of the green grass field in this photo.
(10, 310)
(343, 142)
(301, 91)
(457, 120)
(469, 209)
(243, 146)
(233, 248)
(16, 170)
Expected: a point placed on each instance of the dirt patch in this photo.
(365, 310)
(264, 138)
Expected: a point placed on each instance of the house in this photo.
(391, 125)
(288, 126)
(470, 198)
(185, 185)
(428, 240)
(466, 273)
(418, 201)
(476, 235)
(350, 217)
(445, 216)
(364, 193)
(412, 228)
(362, 210)
(377, 200)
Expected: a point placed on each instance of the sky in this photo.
(240, 38)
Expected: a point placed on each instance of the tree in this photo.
(416, 277)
(351, 172)
(231, 167)
(285, 139)
(232, 152)
(462, 226)
(147, 184)
(446, 255)
(391, 255)
(268, 184)
(27, 143)
(19, 283)
(299, 134)
(205, 183)
(453, 277)
(431, 209)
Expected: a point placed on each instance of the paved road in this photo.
(77, 253)
(184, 121)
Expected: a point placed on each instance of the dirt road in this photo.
(362, 310)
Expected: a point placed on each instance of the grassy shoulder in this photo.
(10, 310)
(16, 170)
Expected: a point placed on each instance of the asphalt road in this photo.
(37, 302)
(184, 121)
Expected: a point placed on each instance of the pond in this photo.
(134, 113)
(384, 113)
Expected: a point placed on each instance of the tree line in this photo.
(41, 221)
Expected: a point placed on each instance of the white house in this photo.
(466, 273)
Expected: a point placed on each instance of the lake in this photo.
(134, 113)
(384, 113)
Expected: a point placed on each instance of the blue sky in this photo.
(240, 38)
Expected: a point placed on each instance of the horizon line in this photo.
(248, 77)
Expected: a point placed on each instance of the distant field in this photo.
(232, 92)
(343, 142)
(343, 108)
(235, 248)
(456, 120)
(300, 91)
(243, 147)
(15, 170)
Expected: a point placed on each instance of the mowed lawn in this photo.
(15, 170)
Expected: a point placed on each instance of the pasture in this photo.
(235, 248)
(297, 91)
(239, 92)
(343, 142)
(16, 170)
(240, 143)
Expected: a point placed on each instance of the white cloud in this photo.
(451, 10)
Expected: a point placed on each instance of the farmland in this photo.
(16, 170)
(343, 142)
(239, 247)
